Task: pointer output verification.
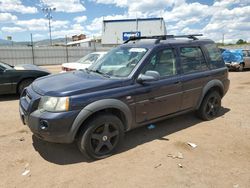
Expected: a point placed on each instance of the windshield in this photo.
(88, 59)
(5, 66)
(119, 62)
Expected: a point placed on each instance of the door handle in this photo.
(177, 82)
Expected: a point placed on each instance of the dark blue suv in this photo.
(145, 80)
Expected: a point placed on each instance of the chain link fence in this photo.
(231, 47)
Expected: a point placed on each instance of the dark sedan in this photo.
(15, 79)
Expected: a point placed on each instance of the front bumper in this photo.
(226, 85)
(49, 126)
(232, 66)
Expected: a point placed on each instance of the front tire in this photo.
(101, 137)
(210, 106)
(241, 68)
(23, 84)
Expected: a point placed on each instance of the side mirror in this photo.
(149, 76)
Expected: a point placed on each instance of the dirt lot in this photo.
(221, 158)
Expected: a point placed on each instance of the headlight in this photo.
(54, 104)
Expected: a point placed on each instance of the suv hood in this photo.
(73, 83)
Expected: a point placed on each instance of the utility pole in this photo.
(223, 35)
(67, 52)
(32, 48)
(48, 15)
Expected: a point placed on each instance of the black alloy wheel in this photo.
(102, 136)
(210, 106)
(213, 107)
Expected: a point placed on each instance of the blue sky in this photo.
(213, 18)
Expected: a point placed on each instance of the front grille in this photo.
(30, 101)
(28, 97)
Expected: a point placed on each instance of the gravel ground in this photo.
(159, 157)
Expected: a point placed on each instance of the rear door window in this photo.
(192, 60)
(215, 57)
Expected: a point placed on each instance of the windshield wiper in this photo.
(98, 72)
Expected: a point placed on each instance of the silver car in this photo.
(246, 59)
(240, 66)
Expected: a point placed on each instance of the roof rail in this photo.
(164, 37)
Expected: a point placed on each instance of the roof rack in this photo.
(164, 37)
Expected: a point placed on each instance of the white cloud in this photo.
(96, 24)
(230, 17)
(7, 17)
(119, 3)
(69, 6)
(78, 27)
(183, 23)
(38, 36)
(226, 3)
(187, 11)
(42, 24)
(74, 29)
(80, 19)
(12, 29)
(16, 6)
(149, 6)
(233, 23)
(141, 6)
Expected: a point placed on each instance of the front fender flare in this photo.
(97, 106)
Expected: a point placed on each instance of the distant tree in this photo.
(240, 41)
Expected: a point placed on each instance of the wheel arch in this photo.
(213, 85)
(22, 79)
(113, 106)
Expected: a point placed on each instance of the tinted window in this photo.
(5, 66)
(192, 60)
(163, 62)
(215, 56)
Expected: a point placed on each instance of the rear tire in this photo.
(101, 137)
(210, 106)
(23, 84)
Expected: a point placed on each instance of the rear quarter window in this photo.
(215, 57)
(192, 60)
